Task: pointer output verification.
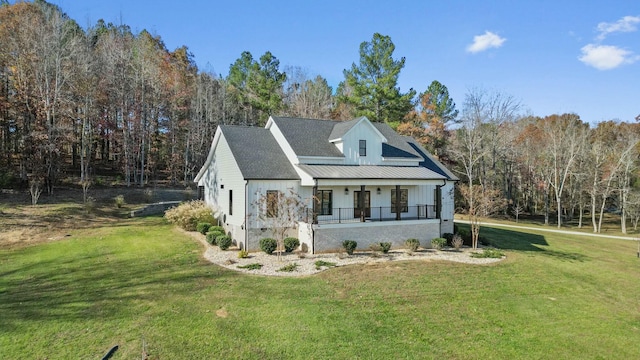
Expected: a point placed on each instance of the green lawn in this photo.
(142, 284)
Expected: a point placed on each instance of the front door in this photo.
(357, 212)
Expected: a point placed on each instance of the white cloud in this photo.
(485, 42)
(626, 24)
(606, 57)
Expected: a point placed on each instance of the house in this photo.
(358, 179)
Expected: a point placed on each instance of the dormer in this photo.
(359, 141)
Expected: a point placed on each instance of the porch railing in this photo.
(380, 213)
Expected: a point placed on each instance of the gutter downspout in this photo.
(313, 216)
(246, 216)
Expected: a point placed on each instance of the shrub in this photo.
(224, 242)
(488, 253)
(455, 228)
(456, 242)
(438, 243)
(188, 214)
(216, 228)
(243, 254)
(289, 268)
(385, 247)
(412, 244)
(291, 244)
(268, 245)
(254, 266)
(349, 246)
(321, 263)
(448, 236)
(148, 195)
(119, 200)
(212, 236)
(203, 227)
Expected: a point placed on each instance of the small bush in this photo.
(385, 247)
(203, 227)
(119, 200)
(448, 236)
(438, 243)
(243, 254)
(488, 253)
(224, 242)
(216, 228)
(321, 263)
(291, 244)
(188, 214)
(412, 244)
(349, 246)
(148, 195)
(254, 266)
(456, 242)
(212, 236)
(289, 268)
(268, 245)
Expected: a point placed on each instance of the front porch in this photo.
(372, 214)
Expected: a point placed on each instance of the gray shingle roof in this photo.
(308, 137)
(257, 153)
(342, 127)
(396, 146)
(370, 172)
(429, 162)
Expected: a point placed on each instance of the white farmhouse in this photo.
(359, 180)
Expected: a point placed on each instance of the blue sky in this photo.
(554, 56)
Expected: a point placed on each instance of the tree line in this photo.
(76, 103)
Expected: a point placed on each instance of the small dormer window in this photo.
(363, 147)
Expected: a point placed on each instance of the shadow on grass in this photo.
(523, 241)
(99, 285)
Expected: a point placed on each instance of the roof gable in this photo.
(341, 128)
(257, 153)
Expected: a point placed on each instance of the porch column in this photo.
(438, 200)
(398, 205)
(362, 204)
(314, 206)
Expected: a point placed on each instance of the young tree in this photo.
(280, 212)
(374, 83)
(480, 109)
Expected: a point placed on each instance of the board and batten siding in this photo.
(351, 145)
(222, 177)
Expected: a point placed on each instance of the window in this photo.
(363, 147)
(404, 197)
(230, 202)
(324, 200)
(272, 203)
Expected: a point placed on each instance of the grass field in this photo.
(144, 286)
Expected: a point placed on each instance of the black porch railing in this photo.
(379, 213)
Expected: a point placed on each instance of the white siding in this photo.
(223, 175)
(258, 188)
(351, 145)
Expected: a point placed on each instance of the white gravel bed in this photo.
(306, 262)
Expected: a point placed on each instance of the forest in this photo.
(80, 104)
